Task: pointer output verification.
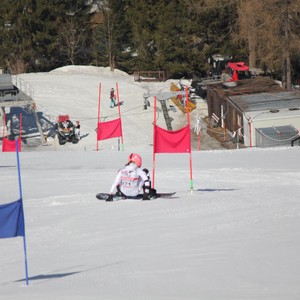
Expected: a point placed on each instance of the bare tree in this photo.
(270, 28)
(16, 66)
(249, 24)
(108, 29)
(72, 38)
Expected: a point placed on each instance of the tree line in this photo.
(176, 36)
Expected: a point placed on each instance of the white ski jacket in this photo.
(130, 179)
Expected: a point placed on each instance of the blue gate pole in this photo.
(21, 197)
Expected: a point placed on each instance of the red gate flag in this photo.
(11, 220)
(166, 141)
(109, 129)
(10, 146)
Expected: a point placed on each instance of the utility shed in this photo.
(253, 107)
(12, 95)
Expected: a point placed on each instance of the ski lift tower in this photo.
(162, 97)
(19, 94)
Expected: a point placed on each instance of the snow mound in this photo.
(90, 70)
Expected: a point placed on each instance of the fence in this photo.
(276, 136)
(149, 76)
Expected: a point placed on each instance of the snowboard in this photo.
(104, 196)
(116, 105)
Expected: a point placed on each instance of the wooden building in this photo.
(256, 108)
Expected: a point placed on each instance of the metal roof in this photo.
(282, 132)
(276, 136)
(267, 101)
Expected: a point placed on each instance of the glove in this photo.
(110, 198)
(146, 197)
(153, 192)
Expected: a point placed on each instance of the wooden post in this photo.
(38, 124)
(250, 131)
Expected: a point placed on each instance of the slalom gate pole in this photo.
(154, 143)
(250, 131)
(20, 136)
(119, 111)
(21, 197)
(191, 174)
(4, 126)
(98, 117)
(189, 125)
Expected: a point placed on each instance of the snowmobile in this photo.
(65, 130)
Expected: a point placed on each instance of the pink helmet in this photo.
(135, 158)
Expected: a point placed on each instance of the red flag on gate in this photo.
(10, 145)
(109, 129)
(166, 141)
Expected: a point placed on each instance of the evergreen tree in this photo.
(36, 38)
(214, 21)
(141, 16)
(177, 36)
(74, 33)
(161, 36)
(15, 35)
(111, 36)
(62, 35)
(171, 38)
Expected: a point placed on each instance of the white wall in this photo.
(265, 119)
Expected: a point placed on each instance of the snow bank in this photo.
(90, 70)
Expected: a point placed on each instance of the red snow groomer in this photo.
(65, 130)
(238, 71)
(223, 69)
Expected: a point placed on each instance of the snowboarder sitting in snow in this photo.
(112, 98)
(131, 179)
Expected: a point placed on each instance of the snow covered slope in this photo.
(74, 90)
(235, 237)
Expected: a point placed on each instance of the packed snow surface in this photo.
(236, 236)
